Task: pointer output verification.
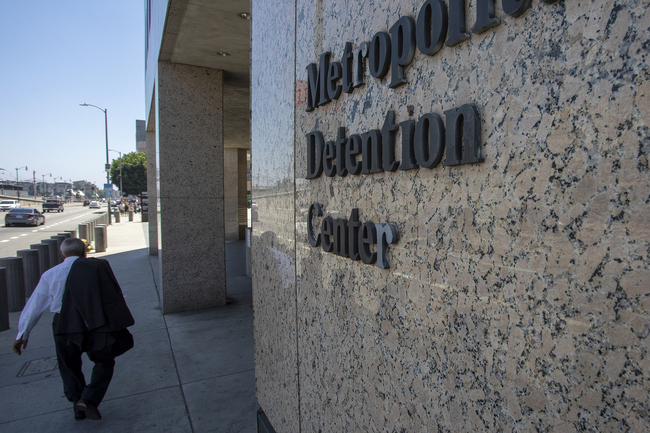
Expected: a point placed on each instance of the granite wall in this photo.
(516, 297)
(274, 240)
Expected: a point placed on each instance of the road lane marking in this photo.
(15, 237)
(25, 234)
(6, 240)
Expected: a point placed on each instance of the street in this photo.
(17, 238)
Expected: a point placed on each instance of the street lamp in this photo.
(108, 167)
(3, 184)
(17, 186)
(44, 184)
(121, 190)
(70, 190)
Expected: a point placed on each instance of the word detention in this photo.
(423, 142)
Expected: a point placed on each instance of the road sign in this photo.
(108, 193)
(108, 186)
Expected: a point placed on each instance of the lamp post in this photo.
(121, 190)
(3, 184)
(17, 186)
(107, 167)
(70, 190)
(54, 186)
(44, 184)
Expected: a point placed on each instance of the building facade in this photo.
(450, 205)
(198, 139)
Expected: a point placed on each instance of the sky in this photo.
(54, 56)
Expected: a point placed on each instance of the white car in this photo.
(5, 205)
(93, 205)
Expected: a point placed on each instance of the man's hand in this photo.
(17, 346)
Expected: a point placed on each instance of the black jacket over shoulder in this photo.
(93, 305)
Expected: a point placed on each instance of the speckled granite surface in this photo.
(190, 143)
(517, 297)
(273, 240)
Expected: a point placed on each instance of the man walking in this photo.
(91, 316)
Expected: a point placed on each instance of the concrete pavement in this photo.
(188, 372)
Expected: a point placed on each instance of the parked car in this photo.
(86, 202)
(93, 205)
(24, 215)
(5, 205)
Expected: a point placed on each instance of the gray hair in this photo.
(73, 247)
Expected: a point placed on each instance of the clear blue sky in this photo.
(54, 56)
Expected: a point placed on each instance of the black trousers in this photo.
(75, 388)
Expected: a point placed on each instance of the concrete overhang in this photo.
(197, 33)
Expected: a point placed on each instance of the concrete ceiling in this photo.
(195, 32)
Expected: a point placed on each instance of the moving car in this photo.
(24, 215)
(93, 205)
(53, 204)
(5, 205)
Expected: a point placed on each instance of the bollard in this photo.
(15, 282)
(59, 241)
(117, 216)
(4, 301)
(83, 232)
(91, 231)
(130, 215)
(43, 257)
(53, 251)
(30, 269)
(73, 233)
(66, 234)
(100, 239)
(105, 228)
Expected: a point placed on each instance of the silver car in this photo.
(24, 215)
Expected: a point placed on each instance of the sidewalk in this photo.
(188, 372)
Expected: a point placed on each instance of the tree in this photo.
(134, 173)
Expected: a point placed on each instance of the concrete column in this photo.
(130, 215)
(83, 231)
(249, 268)
(73, 233)
(105, 228)
(231, 195)
(242, 193)
(189, 113)
(152, 189)
(235, 194)
(59, 241)
(43, 257)
(31, 269)
(91, 230)
(15, 282)
(4, 301)
(100, 239)
(53, 251)
(116, 214)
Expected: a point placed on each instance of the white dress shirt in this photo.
(48, 293)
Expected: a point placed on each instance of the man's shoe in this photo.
(79, 415)
(89, 410)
